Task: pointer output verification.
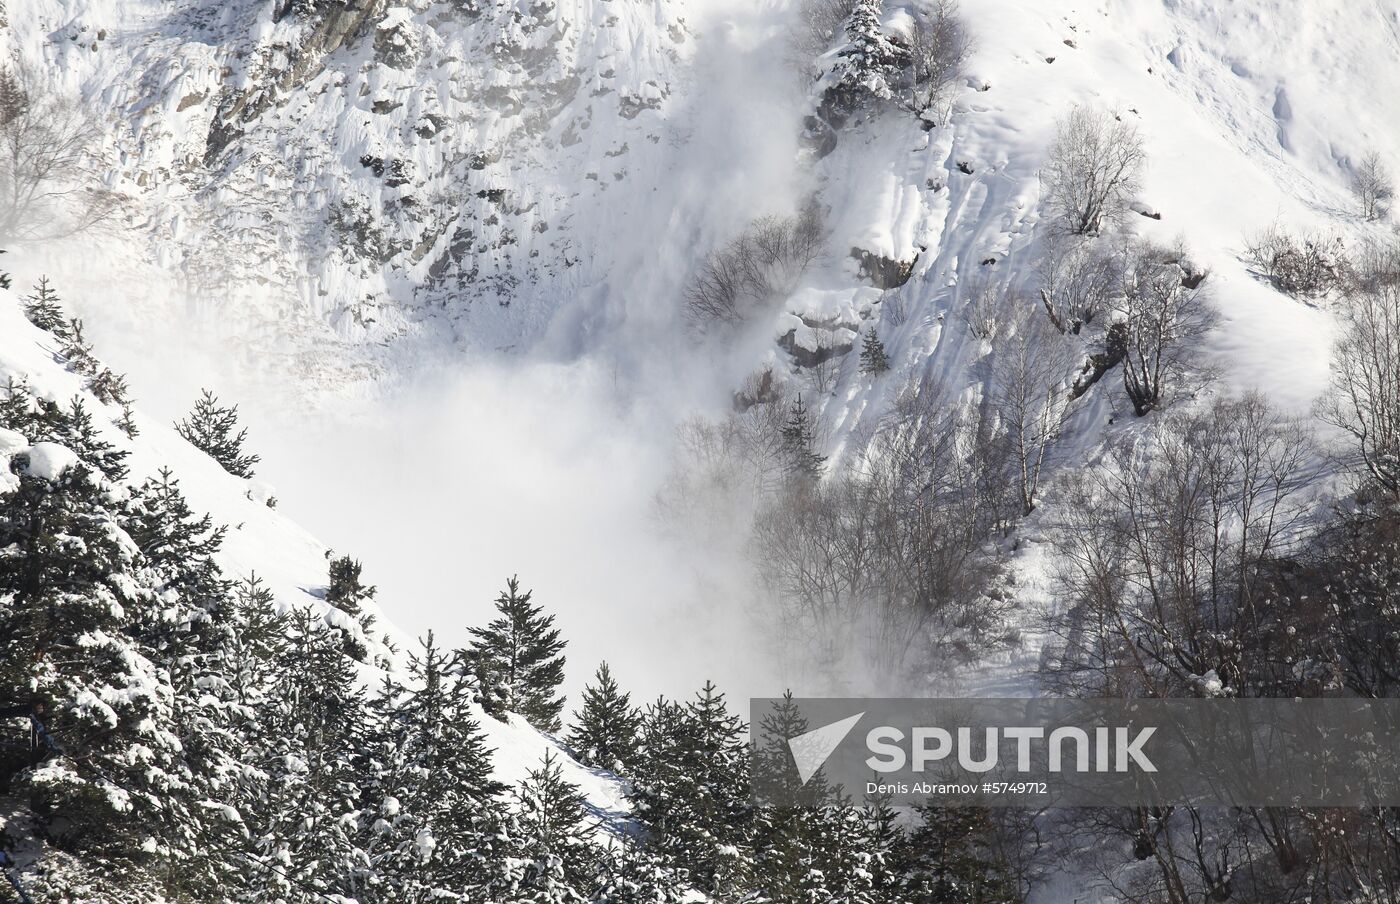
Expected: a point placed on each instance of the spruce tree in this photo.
(4, 277)
(210, 428)
(77, 431)
(872, 354)
(127, 422)
(42, 309)
(110, 388)
(250, 695)
(885, 843)
(72, 595)
(800, 445)
(347, 593)
(41, 420)
(432, 794)
(950, 859)
(76, 350)
(867, 62)
(191, 637)
(813, 847)
(516, 661)
(304, 834)
(179, 545)
(632, 875)
(691, 789)
(551, 837)
(605, 728)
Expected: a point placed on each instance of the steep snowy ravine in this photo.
(456, 439)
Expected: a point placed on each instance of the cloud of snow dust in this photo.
(544, 463)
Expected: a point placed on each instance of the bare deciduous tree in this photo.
(1372, 184)
(1163, 312)
(891, 553)
(819, 22)
(1031, 394)
(1164, 552)
(762, 264)
(938, 48)
(47, 189)
(1077, 279)
(1094, 167)
(1365, 395)
(1177, 559)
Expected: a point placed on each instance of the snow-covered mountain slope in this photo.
(291, 563)
(396, 189)
(1233, 144)
(497, 175)
(323, 183)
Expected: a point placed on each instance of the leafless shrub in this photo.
(1094, 167)
(1077, 279)
(761, 265)
(46, 185)
(893, 311)
(826, 370)
(937, 53)
(1375, 265)
(1305, 265)
(982, 308)
(892, 553)
(1162, 316)
(1364, 399)
(1031, 393)
(1372, 184)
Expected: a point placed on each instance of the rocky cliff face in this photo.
(365, 170)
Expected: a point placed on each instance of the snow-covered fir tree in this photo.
(517, 660)
(43, 420)
(691, 789)
(42, 308)
(627, 874)
(348, 594)
(76, 350)
(604, 733)
(558, 860)
(872, 354)
(865, 65)
(431, 799)
(303, 825)
(814, 846)
(211, 427)
(799, 443)
(950, 858)
(74, 595)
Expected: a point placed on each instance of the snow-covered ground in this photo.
(487, 380)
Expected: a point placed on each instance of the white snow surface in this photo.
(48, 461)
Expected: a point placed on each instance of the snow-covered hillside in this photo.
(291, 563)
(443, 252)
(352, 200)
(480, 172)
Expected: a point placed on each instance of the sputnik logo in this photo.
(811, 750)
